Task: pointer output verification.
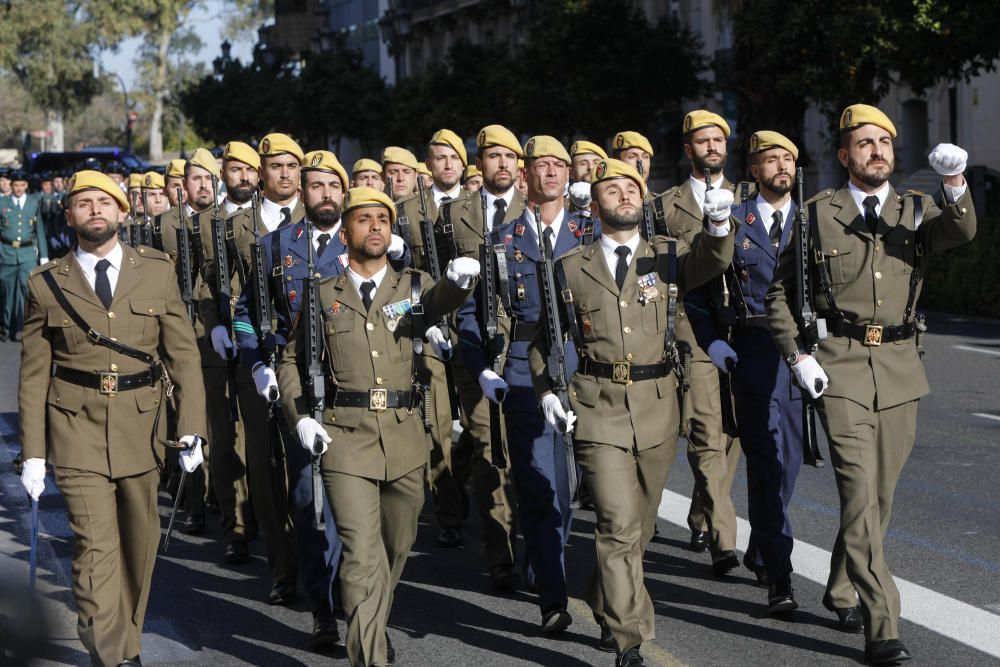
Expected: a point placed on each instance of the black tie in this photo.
(499, 213)
(775, 232)
(871, 217)
(623, 251)
(322, 240)
(547, 235)
(102, 286)
(286, 216)
(367, 288)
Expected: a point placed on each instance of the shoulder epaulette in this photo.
(574, 251)
(823, 194)
(152, 253)
(914, 193)
(47, 266)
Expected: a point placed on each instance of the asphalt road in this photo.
(944, 544)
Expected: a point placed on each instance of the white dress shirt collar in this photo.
(491, 200)
(858, 195)
(88, 262)
(609, 246)
(356, 280)
(270, 213)
(439, 194)
(232, 207)
(556, 225)
(767, 211)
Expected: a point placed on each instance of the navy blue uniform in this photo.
(767, 402)
(537, 458)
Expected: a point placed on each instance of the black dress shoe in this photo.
(886, 652)
(760, 573)
(194, 524)
(237, 552)
(282, 594)
(630, 658)
(450, 537)
(607, 641)
(849, 619)
(699, 541)
(390, 652)
(131, 661)
(555, 621)
(724, 562)
(506, 579)
(324, 633)
(780, 597)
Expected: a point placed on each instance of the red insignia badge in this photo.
(298, 232)
(519, 230)
(289, 261)
(336, 307)
(571, 225)
(587, 327)
(291, 296)
(750, 218)
(577, 233)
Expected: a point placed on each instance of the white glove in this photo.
(948, 159)
(33, 477)
(440, 345)
(462, 270)
(718, 204)
(719, 351)
(579, 194)
(494, 387)
(807, 372)
(222, 343)
(191, 457)
(554, 413)
(396, 247)
(308, 429)
(43, 260)
(266, 382)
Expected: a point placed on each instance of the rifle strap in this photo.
(672, 294)
(503, 280)
(589, 230)
(569, 310)
(448, 229)
(918, 264)
(418, 325)
(94, 336)
(278, 294)
(157, 233)
(235, 258)
(403, 225)
(198, 254)
(822, 269)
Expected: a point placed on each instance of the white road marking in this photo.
(946, 616)
(969, 348)
(986, 415)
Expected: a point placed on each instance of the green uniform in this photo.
(869, 409)
(22, 244)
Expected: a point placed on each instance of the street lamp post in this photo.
(129, 115)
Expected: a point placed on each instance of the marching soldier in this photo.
(585, 155)
(521, 182)
(375, 447)
(103, 432)
(537, 460)
(680, 212)
(424, 174)
(173, 178)
(623, 390)
(22, 247)
(472, 178)
(867, 373)
(134, 193)
(400, 168)
(634, 149)
(367, 173)
(240, 174)
(118, 173)
(152, 193)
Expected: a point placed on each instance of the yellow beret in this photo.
(699, 118)
(630, 139)
(472, 171)
(277, 143)
(134, 180)
(422, 169)
(398, 155)
(610, 168)
(449, 138)
(360, 197)
(543, 145)
(88, 179)
(857, 115)
(498, 135)
(520, 164)
(152, 180)
(241, 152)
(204, 159)
(176, 168)
(765, 140)
(328, 162)
(366, 164)
(581, 147)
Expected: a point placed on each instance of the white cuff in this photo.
(952, 193)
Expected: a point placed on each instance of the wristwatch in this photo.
(792, 358)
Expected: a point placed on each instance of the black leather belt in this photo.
(110, 383)
(374, 399)
(523, 331)
(18, 244)
(753, 322)
(623, 372)
(870, 335)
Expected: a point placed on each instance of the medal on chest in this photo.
(647, 288)
(394, 312)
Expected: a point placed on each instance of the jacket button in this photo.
(378, 381)
(114, 368)
(878, 275)
(623, 303)
(369, 326)
(834, 252)
(375, 353)
(627, 330)
(628, 356)
(111, 313)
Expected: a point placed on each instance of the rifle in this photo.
(146, 231)
(729, 425)
(647, 229)
(316, 382)
(260, 310)
(493, 341)
(224, 293)
(811, 329)
(184, 260)
(556, 360)
(133, 226)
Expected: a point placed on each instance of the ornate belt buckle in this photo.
(108, 384)
(873, 335)
(15, 244)
(378, 399)
(621, 372)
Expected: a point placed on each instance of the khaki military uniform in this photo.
(103, 447)
(626, 432)
(713, 456)
(869, 409)
(373, 469)
(226, 469)
(266, 475)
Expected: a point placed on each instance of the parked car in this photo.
(71, 160)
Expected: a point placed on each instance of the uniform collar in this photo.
(859, 195)
(89, 260)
